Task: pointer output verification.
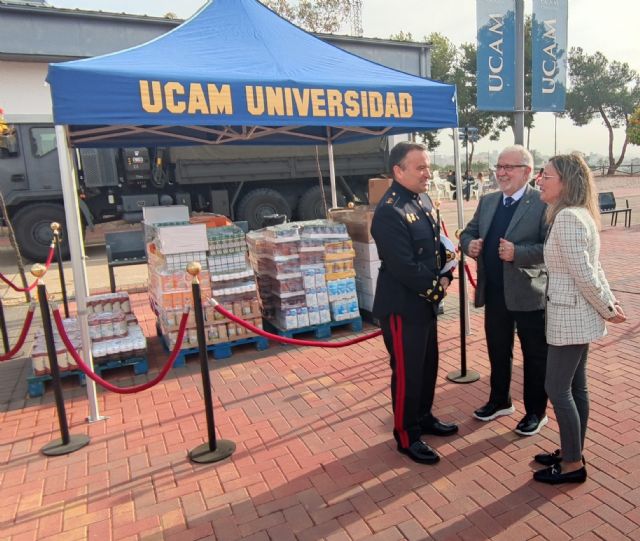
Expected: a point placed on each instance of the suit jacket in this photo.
(407, 237)
(578, 297)
(525, 277)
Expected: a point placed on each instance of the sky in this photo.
(609, 27)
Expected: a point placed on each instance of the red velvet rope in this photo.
(284, 339)
(467, 269)
(35, 283)
(121, 390)
(23, 335)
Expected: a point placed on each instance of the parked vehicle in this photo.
(244, 183)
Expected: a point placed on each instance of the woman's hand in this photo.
(619, 317)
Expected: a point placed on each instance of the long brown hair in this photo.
(578, 186)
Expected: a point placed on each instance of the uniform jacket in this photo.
(525, 277)
(406, 234)
(578, 295)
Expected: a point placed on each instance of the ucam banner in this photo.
(496, 57)
(549, 55)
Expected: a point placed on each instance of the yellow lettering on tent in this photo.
(391, 107)
(302, 101)
(288, 101)
(275, 101)
(172, 91)
(376, 107)
(363, 102)
(318, 102)
(220, 101)
(334, 103)
(255, 103)
(351, 101)
(151, 104)
(406, 105)
(197, 101)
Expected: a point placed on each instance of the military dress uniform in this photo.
(408, 291)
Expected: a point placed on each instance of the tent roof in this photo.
(237, 72)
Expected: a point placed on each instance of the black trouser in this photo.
(412, 343)
(499, 326)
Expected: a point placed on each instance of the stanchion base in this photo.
(457, 377)
(203, 455)
(56, 447)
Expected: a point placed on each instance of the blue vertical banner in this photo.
(549, 55)
(496, 58)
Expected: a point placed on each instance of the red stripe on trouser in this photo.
(400, 394)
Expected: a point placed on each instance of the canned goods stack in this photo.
(296, 264)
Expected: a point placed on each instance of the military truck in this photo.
(244, 183)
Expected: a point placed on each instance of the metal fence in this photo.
(629, 169)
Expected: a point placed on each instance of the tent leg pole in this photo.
(78, 268)
(332, 171)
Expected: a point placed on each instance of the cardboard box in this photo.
(357, 220)
(176, 239)
(366, 269)
(377, 188)
(366, 285)
(365, 301)
(366, 251)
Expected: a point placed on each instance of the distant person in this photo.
(579, 301)
(410, 286)
(506, 237)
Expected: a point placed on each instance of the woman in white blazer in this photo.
(579, 301)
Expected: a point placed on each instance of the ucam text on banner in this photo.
(549, 55)
(496, 58)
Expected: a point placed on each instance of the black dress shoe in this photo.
(436, 427)
(490, 411)
(420, 452)
(550, 459)
(553, 475)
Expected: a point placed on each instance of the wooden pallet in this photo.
(323, 330)
(36, 383)
(222, 350)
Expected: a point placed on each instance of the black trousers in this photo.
(412, 343)
(499, 325)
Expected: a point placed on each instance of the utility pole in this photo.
(518, 120)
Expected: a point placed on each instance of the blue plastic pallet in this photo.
(222, 350)
(323, 330)
(35, 384)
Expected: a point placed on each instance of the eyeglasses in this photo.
(508, 168)
(545, 176)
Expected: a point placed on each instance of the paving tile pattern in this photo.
(315, 458)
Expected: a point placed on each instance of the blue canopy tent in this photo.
(235, 73)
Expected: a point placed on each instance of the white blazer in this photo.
(579, 298)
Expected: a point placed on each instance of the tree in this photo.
(599, 88)
(633, 127)
(315, 16)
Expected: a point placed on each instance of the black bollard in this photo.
(3, 329)
(214, 450)
(463, 375)
(67, 443)
(55, 226)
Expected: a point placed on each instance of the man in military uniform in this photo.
(408, 291)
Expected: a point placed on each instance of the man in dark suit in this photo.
(506, 237)
(408, 291)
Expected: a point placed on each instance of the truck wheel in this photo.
(32, 227)
(311, 207)
(259, 203)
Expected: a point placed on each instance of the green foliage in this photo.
(315, 16)
(602, 89)
(633, 127)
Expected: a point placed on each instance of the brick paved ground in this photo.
(315, 458)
